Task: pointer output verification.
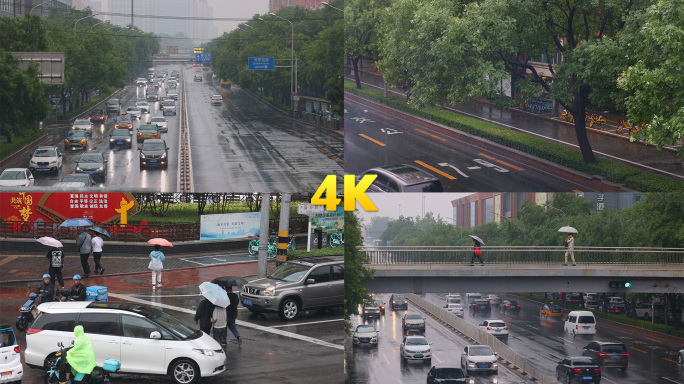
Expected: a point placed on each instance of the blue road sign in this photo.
(261, 63)
(202, 57)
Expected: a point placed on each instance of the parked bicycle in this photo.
(630, 128)
(253, 247)
(336, 240)
(565, 115)
(594, 118)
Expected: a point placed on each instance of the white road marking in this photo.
(311, 322)
(238, 322)
(190, 261)
(437, 358)
(362, 120)
(670, 380)
(386, 359)
(456, 169)
(218, 259)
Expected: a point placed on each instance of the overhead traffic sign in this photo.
(202, 57)
(261, 63)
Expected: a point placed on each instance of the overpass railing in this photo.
(509, 255)
(505, 353)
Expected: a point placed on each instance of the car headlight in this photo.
(142, 155)
(128, 139)
(78, 169)
(100, 168)
(270, 291)
(206, 352)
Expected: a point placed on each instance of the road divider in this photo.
(506, 355)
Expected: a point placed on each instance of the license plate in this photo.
(6, 373)
(615, 357)
(153, 161)
(119, 142)
(484, 366)
(89, 173)
(496, 331)
(365, 340)
(247, 302)
(414, 326)
(587, 377)
(418, 355)
(586, 328)
(42, 166)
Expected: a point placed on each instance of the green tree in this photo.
(360, 36)
(356, 274)
(449, 52)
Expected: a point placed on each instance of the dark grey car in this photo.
(92, 163)
(154, 152)
(121, 137)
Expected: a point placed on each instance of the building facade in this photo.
(18, 8)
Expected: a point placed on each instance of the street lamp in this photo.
(44, 2)
(326, 3)
(103, 21)
(292, 62)
(552, 207)
(76, 23)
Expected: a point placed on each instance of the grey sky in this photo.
(235, 9)
(411, 204)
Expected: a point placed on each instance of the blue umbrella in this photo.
(101, 231)
(215, 294)
(76, 223)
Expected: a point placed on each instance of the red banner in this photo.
(98, 207)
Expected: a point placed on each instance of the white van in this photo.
(472, 296)
(146, 340)
(580, 323)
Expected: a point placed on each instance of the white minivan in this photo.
(146, 340)
(580, 323)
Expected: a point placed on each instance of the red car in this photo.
(97, 116)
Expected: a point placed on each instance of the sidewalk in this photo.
(605, 142)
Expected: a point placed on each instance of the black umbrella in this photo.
(230, 281)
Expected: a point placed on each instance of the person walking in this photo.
(156, 265)
(97, 242)
(477, 253)
(232, 312)
(219, 321)
(203, 314)
(570, 245)
(56, 258)
(85, 246)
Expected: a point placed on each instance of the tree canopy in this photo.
(355, 273)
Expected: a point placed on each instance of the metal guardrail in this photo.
(506, 355)
(509, 255)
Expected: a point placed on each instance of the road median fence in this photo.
(506, 355)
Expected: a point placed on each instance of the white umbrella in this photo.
(477, 238)
(214, 293)
(567, 229)
(50, 242)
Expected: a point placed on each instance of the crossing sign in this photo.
(261, 63)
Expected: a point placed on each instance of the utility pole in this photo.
(283, 228)
(263, 234)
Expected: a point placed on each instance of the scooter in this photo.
(26, 309)
(65, 295)
(99, 375)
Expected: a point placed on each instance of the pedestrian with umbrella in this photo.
(97, 242)
(156, 266)
(56, 258)
(477, 253)
(85, 247)
(569, 244)
(232, 312)
(214, 296)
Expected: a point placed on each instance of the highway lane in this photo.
(242, 145)
(374, 138)
(542, 341)
(382, 364)
(123, 171)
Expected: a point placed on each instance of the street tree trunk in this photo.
(581, 125)
(357, 78)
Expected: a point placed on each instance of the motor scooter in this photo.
(99, 375)
(65, 295)
(26, 309)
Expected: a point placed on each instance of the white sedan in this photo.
(16, 177)
(83, 124)
(160, 122)
(144, 106)
(133, 112)
(217, 99)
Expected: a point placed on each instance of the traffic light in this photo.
(619, 284)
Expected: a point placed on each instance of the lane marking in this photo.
(654, 340)
(454, 168)
(386, 359)
(577, 191)
(311, 322)
(8, 259)
(238, 322)
(638, 350)
(373, 140)
(190, 261)
(430, 134)
(437, 358)
(448, 176)
(672, 361)
(670, 380)
(500, 161)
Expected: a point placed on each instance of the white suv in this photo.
(497, 328)
(46, 159)
(145, 340)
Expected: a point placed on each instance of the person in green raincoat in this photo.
(80, 358)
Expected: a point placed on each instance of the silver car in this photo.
(365, 335)
(297, 285)
(479, 358)
(413, 321)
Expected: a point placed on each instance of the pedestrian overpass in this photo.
(524, 269)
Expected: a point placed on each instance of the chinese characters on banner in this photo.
(600, 204)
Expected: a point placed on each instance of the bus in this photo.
(225, 83)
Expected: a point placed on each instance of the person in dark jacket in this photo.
(78, 289)
(477, 253)
(85, 246)
(231, 312)
(46, 291)
(205, 310)
(56, 258)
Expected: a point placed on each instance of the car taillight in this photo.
(505, 328)
(489, 328)
(602, 355)
(597, 370)
(576, 326)
(32, 331)
(625, 354)
(576, 370)
(16, 349)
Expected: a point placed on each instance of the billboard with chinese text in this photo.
(57, 207)
(230, 226)
(330, 221)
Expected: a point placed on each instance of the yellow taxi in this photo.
(550, 310)
(148, 131)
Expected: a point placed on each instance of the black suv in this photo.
(608, 354)
(154, 152)
(580, 368)
(398, 301)
(481, 306)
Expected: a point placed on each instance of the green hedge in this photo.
(7, 149)
(613, 171)
(638, 323)
(298, 254)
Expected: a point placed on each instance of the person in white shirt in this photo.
(97, 252)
